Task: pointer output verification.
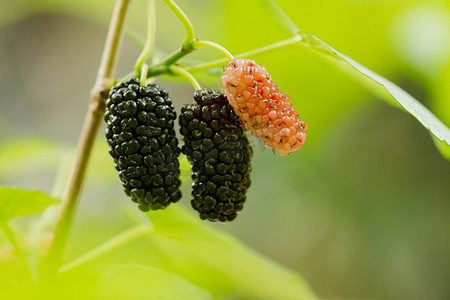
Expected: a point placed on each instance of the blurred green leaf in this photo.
(219, 262)
(271, 8)
(133, 281)
(441, 104)
(443, 147)
(27, 154)
(3, 238)
(15, 202)
(256, 23)
(103, 171)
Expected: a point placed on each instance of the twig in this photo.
(91, 125)
(187, 43)
(150, 41)
(198, 44)
(297, 39)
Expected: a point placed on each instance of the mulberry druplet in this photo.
(262, 107)
(142, 140)
(219, 151)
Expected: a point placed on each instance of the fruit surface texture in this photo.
(262, 108)
(141, 136)
(219, 151)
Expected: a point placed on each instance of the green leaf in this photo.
(388, 91)
(133, 281)
(283, 24)
(16, 202)
(219, 262)
(395, 95)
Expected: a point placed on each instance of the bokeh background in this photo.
(362, 211)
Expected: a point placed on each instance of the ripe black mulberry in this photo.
(219, 151)
(140, 133)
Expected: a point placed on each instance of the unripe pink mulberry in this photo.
(262, 107)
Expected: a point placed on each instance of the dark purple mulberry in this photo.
(141, 136)
(219, 151)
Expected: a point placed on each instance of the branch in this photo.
(91, 125)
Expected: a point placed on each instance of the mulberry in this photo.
(262, 107)
(219, 151)
(140, 133)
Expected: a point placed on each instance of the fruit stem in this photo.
(188, 40)
(92, 123)
(117, 241)
(163, 67)
(143, 74)
(220, 62)
(198, 44)
(150, 40)
(187, 75)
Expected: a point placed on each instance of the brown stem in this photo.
(89, 131)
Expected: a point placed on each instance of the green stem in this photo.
(143, 74)
(92, 123)
(198, 44)
(220, 62)
(19, 250)
(163, 67)
(150, 41)
(187, 43)
(187, 75)
(114, 243)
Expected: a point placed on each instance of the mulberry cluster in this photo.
(262, 107)
(219, 152)
(141, 136)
